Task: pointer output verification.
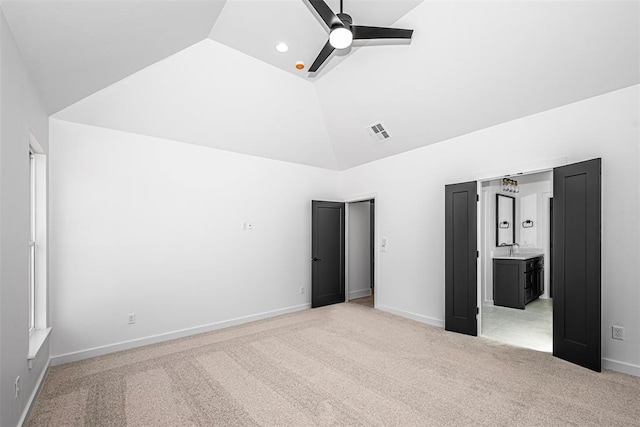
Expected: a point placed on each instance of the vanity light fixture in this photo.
(510, 185)
(282, 47)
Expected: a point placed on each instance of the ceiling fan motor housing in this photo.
(346, 19)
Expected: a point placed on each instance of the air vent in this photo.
(378, 132)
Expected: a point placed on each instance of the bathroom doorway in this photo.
(577, 253)
(515, 244)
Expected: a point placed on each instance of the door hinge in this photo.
(477, 310)
(477, 254)
(477, 197)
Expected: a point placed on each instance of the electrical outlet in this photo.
(617, 332)
(17, 387)
(302, 289)
(131, 318)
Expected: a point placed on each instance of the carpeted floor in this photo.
(344, 364)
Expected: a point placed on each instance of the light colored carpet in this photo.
(339, 365)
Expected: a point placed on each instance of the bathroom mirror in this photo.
(505, 220)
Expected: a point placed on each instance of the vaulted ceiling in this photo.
(206, 72)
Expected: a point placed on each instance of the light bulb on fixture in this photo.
(340, 38)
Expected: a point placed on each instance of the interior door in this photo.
(576, 264)
(550, 262)
(327, 253)
(372, 241)
(461, 258)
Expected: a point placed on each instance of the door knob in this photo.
(316, 259)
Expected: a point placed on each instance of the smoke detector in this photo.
(378, 132)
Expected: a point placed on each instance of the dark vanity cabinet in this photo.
(517, 282)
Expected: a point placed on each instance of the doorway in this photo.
(577, 247)
(515, 227)
(360, 252)
(343, 252)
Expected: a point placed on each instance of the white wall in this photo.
(530, 204)
(154, 227)
(359, 240)
(20, 113)
(410, 189)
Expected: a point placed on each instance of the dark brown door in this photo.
(461, 286)
(550, 262)
(327, 253)
(576, 264)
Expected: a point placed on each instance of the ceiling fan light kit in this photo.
(340, 37)
(342, 32)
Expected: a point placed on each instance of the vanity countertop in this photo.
(520, 257)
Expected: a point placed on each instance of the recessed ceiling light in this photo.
(299, 65)
(282, 47)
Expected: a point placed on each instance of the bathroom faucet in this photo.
(511, 245)
(511, 248)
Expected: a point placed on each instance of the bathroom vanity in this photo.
(517, 279)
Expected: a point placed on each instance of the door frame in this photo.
(376, 251)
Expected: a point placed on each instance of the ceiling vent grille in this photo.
(378, 132)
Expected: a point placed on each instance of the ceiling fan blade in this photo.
(361, 32)
(325, 13)
(322, 56)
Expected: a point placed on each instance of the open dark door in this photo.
(576, 264)
(327, 253)
(461, 288)
(372, 242)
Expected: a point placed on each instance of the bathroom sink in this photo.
(520, 257)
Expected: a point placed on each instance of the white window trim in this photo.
(32, 239)
(41, 330)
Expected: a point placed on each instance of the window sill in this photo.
(37, 338)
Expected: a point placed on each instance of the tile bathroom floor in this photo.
(531, 328)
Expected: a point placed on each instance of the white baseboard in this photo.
(139, 342)
(34, 394)
(359, 294)
(413, 316)
(625, 368)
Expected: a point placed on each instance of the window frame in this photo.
(38, 238)
(39, 329)
(32, 241)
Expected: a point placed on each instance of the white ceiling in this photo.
(470, 65)
(215, 96)
(255, 26)
(74, 48)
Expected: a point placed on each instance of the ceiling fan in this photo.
(342, 32)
